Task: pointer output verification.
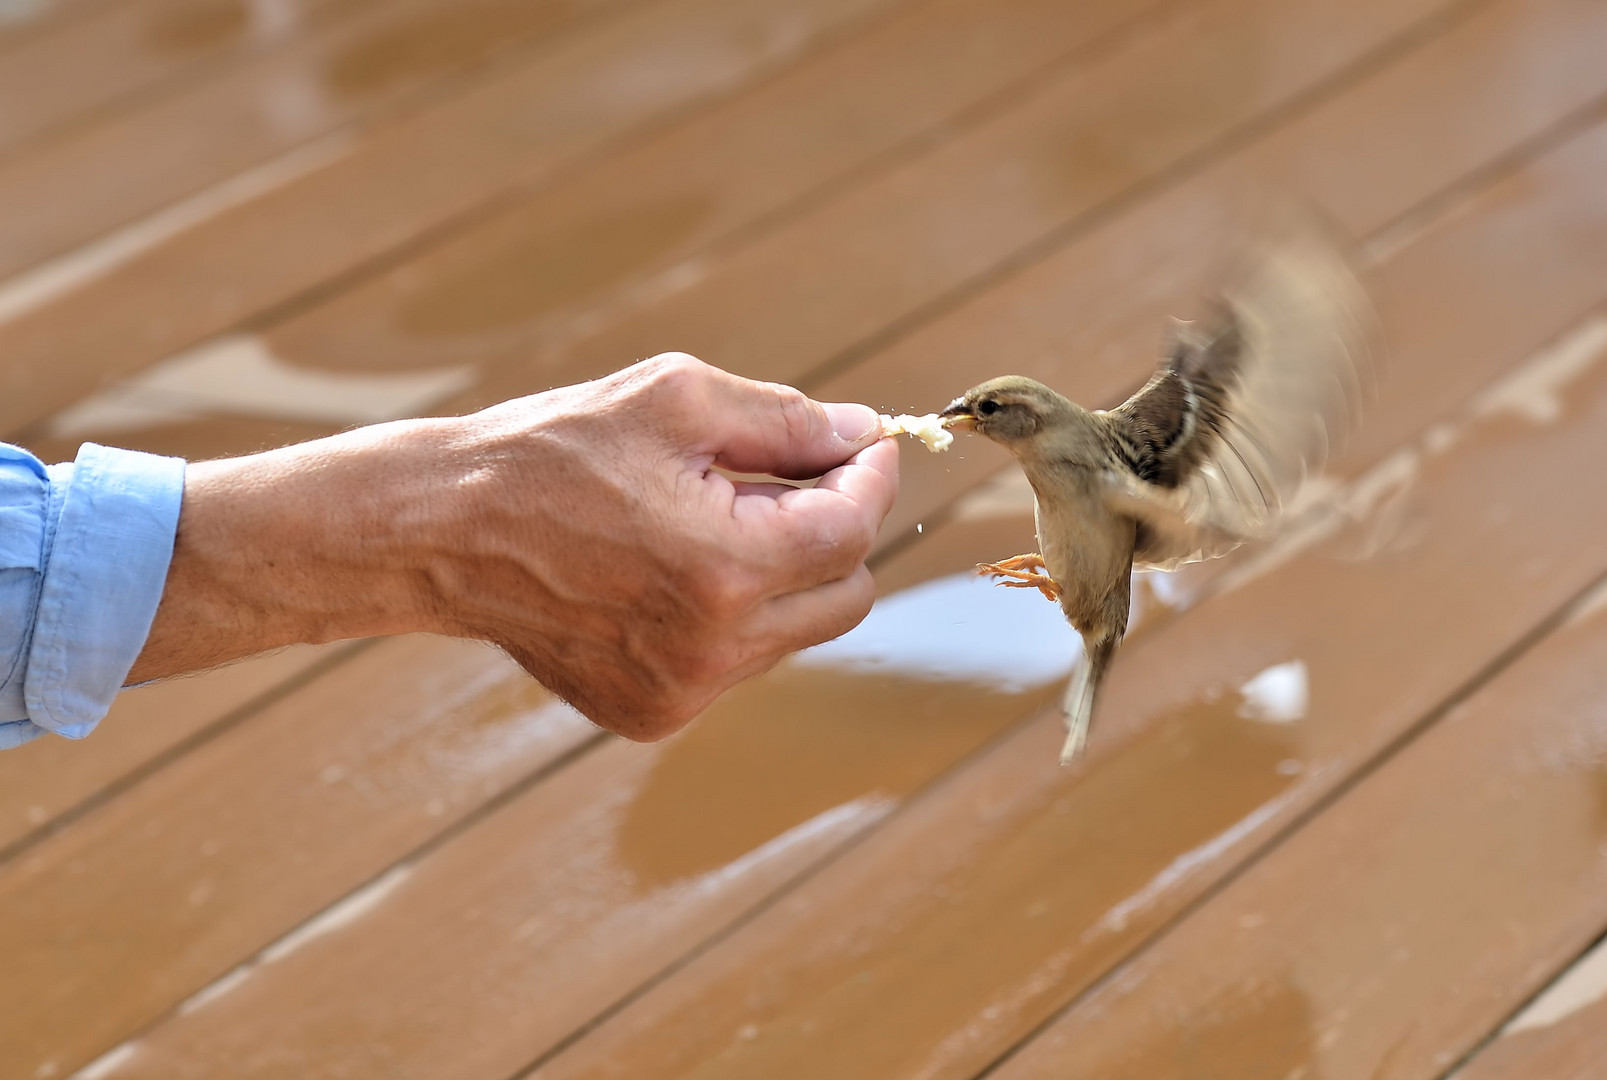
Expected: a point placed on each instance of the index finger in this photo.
(761, 427)
(868, 480)
(811, 536)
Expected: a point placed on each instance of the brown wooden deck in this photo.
(1344, 815)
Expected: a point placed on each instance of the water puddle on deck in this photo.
(943, 939)
(979, 909)
(935, 672)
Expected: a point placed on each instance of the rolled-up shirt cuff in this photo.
(110, 526)
(16, 732)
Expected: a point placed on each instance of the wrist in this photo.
(475, 539)
(307, 544)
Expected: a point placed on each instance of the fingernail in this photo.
(852, 422)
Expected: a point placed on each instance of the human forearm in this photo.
(310, 543)
(588, 531)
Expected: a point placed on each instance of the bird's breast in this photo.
(1085, 547)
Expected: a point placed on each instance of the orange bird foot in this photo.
(1019, 573)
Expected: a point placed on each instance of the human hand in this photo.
(603, 551)
(585, 530)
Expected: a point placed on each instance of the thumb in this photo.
(770, 428)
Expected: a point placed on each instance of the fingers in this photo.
(749, 488)
(770, 428)
(716, 578)
(758, 427)
(775, 429)
(811, 616)
(845, 509)
(869, 480)
(803, 537)
(785, 624)
(774, 630)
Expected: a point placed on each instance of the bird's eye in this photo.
(987, 407)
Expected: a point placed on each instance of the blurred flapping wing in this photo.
(1248, 403)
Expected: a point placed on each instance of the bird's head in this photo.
(1012, 410)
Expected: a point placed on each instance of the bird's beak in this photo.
(958, 415)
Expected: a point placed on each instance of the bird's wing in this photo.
(1247, 404)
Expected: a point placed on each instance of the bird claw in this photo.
(1018, 573)
(1032, 561)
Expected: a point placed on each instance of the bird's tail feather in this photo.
(1083, 691)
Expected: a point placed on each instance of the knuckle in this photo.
(675, 360)
(677, 393)
(850, 608)
(862, 596)
(676, 374)
(796, 413)
(721, 592)
(859, 537)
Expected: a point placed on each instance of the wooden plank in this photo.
(196, 437)
(123, 50)
(189, 444)
(823, 281)
(1109, 277)
(586, 247)
(1559, 1035)
(72, 190)
(1546, 203)
(885, 903)
(588, 243)
(920, 40)
(603, 874)
(1362, 157)
(140, 903)
(1402, 106)
(49, 777)
(175, 434)
(1043, 855)
(179, 278)
(1004, 893)
(910, 74)
(829, 282)
(1088, 317)
(1388, 936)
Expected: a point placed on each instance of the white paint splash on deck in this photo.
(216, 989)
(1582, 985)
(846, 818)
(1588, 606)
(1534, 390)
(1278, 695)
(338, 916)
(107, 1063)
(238, 375)
(1116, 919)
(333, 918)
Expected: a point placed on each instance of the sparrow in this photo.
(1244, 405)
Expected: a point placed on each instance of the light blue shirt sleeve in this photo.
(84, 552)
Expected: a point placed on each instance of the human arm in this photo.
(587, 531)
